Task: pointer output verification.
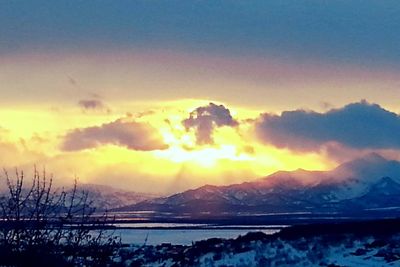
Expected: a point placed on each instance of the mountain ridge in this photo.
(346, 188)
(106, 197)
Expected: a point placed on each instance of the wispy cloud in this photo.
(94, 105)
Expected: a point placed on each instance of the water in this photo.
(155, 236)
(146, 225)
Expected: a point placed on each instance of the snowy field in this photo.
(356, 244)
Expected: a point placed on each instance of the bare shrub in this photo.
(45, 226)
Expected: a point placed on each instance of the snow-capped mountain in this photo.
(107, 197)
(371, 182)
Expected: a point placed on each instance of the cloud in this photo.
(93, 105)
(205, 119)
(130, 134)
(336, 30)
(359, 125)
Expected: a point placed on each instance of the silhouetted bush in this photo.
(42, 226)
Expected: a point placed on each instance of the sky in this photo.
(162, 96)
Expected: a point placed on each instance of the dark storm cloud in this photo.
(359, 125)
(205, 119)
(362, 31)
(130, 134)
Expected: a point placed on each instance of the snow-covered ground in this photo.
(257, 249)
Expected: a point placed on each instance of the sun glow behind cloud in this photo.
(132, 68)
(234, 156)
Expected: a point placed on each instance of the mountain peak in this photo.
(367, 162)
(374, 158)
(361, 173)
(371, 159)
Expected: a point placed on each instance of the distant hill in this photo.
(370, 183)
(107, 197)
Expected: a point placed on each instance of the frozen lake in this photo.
(190, 233)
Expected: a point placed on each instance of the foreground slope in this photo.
(372, 243)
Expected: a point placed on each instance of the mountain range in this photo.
(367, 186)
(106, 197)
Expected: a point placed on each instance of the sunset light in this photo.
(199, 133)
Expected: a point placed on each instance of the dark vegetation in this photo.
(303, 245)
(45, 226)
(374, 228)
